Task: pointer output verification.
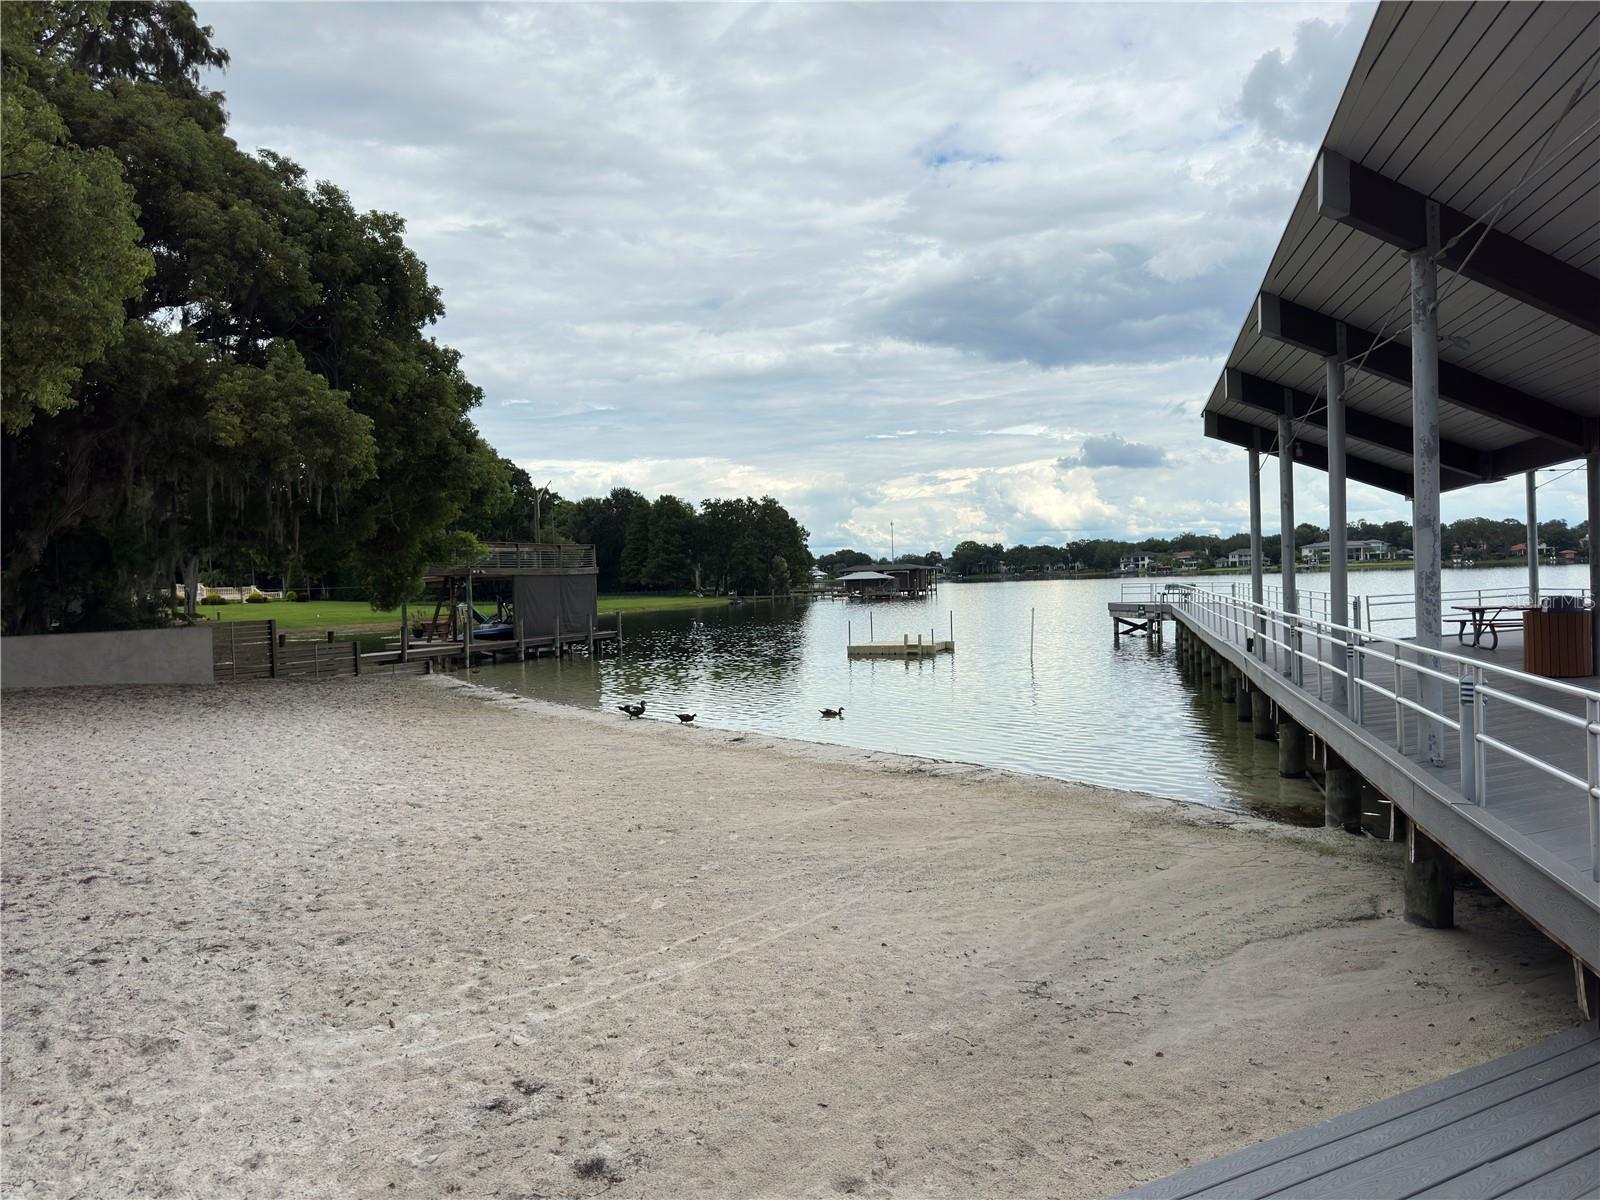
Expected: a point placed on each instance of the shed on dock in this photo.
(539, 589)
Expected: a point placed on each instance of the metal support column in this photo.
(1426, 534)
(1286, 546)
(1256, 589)
(1338, 550)
(1594, 543)
(1533, 544)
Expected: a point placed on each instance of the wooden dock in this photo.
(1527, 1124)
(1526, 834)
(906, 647)
(455, 653)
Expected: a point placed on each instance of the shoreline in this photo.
(899, 762)
(425, 936)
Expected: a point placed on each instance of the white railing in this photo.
(1154, 591)
(1437, 692)
(1399, 608)
(1158, 591)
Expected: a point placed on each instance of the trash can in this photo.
(1558, 639)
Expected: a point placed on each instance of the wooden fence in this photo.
(243, 650)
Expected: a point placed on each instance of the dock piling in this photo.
(1341, 793)
(1291, 747)
(1430, 882)
(1261, 722)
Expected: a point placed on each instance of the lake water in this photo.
(1076, 708)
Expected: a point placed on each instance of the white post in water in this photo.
(1533, 544)
(1426, 534)
(1256, 588)
(1338, 550)
(1286, 547)
(1030, 635)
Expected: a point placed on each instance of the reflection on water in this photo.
(1077, 708)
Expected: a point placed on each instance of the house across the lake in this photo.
(1356, 550)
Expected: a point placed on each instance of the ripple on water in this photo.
(1077, 708)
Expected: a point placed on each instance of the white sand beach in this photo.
(406, 938)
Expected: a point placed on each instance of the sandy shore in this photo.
(368, 938)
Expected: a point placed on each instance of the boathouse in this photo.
(869, 585)
(519, 594)
(1430, 321)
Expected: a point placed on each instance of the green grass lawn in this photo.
(627, 604)
(358, 614)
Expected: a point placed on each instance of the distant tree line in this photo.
(667, 544)
(1475, 537)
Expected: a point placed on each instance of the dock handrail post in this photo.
(405, 633)
(919, 647)
(1592, 712)
(1467, 712)
(619, 631)
(849, 636)
(272, 649)
(355, 655)
(1352, 700)
(591, 636)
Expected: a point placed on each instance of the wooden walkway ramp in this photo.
(1526, 1125)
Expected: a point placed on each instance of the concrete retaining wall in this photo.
(89, 659)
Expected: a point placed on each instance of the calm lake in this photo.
(1076, 708)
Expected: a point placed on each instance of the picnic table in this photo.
(1487, 620)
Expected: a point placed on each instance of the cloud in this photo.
(1112, 451)
(1291, 99)
(886, 262)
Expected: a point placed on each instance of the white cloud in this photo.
(886, 262)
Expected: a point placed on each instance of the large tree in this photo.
(269, 390)
(71, 251)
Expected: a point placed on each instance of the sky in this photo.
(969, 269)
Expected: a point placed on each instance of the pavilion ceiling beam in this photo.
(1390, 211)
(1237, 433)
(1306, 329)
(1256, 392)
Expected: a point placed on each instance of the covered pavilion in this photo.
(1430, 319)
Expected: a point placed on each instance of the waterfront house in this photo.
(1136, 564)
(1355, 550)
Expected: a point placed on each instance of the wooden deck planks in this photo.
(1507, 1175)
(1578, 1180)
(1483, 1137)
(1271, 1166)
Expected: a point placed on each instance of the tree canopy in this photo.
(205, 352)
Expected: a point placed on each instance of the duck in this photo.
(634, 711)
(831, 713)
(686, 718)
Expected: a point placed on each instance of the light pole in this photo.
(538, 496)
